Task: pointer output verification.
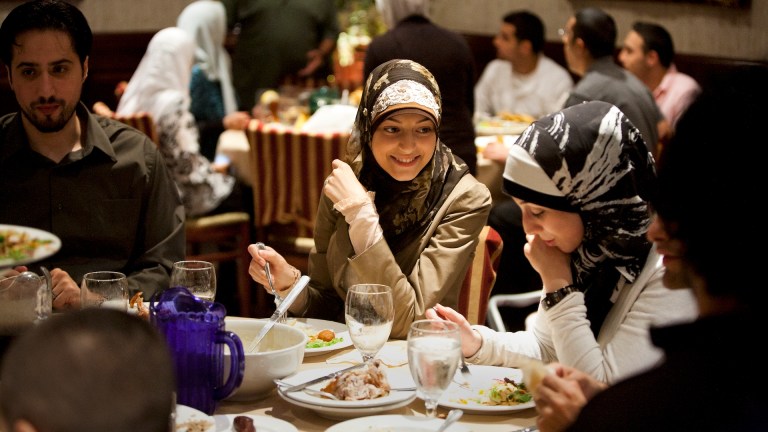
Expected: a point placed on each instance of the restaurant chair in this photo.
(217, 238)
(520, 300)
(480, 277)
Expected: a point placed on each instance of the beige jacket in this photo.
(425, 273)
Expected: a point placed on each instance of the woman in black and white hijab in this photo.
(403, 212)
(583, 178)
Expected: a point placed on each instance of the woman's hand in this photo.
(237, 120)
(342, 183)
(561, 396)
(552, 264)
(283, 274)
(470, 339)
(66, 293)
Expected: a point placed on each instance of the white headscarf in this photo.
(206, 22)
(393, 11)
(163, 75)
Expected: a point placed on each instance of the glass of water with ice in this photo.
(434, 352)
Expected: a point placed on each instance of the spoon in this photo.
(453, 416)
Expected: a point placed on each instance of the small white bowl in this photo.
(279, 355)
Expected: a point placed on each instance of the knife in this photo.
(287, 301)
(331, 375)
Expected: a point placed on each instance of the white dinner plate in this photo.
(51, 245)
(397, 377)
(482, 141)
(496, 126)
(471, 400)
(262, 423)
(189, 419)
(394, 423)
(313, 326)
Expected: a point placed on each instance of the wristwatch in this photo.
(553, 298)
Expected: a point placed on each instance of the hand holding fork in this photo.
(278, 299)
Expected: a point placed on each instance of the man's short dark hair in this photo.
(656, 38)
(527, 27)
(46, 15)
(598, 31)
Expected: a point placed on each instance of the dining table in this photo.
(307, 420)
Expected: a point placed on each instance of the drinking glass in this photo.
(199, 277)
(369, 312)
(434, 352)
(107, 289)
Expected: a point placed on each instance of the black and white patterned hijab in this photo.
(590, 159)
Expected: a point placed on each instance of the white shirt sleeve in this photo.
(363, 219)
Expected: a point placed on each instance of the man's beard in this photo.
(47, 124)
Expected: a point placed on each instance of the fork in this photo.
(465, 372)
(309, 391)
(278, 299)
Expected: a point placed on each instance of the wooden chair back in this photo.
(480, 277)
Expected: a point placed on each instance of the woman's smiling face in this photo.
(403, 144)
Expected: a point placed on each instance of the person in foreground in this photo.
(582, 177)
(97, 184)
(93, 370)
(404, 213)
(712, 378)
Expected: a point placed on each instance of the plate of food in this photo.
(189, 419)
(362, 391)
(490, 390)
(503, 124)
(482, 141)
(394, 423)
(20, 245)
(324, 336)
(250, 423)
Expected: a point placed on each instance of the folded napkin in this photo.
(394, 354)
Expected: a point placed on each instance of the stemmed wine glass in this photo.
(199, 277)
(434, 352)
(369, 312)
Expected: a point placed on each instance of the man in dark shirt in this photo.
(98, 185)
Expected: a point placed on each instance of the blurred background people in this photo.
(648, 52)
(97, 184)
(445, 53)
(521, 80)
(88, 371)
(677, 394)
(280, 39)
(404, 212)
(213, 100)
(589, 41)
(160, 86)
(582, 177)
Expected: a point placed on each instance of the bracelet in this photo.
(553, 298)
(296, 277)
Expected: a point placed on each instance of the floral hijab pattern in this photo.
(405, 208)
(591, 160)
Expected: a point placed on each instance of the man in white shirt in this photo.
(648, 52)
(522, 80)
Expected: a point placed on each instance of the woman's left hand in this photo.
(342, 183)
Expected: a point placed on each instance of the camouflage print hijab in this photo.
(405, 208)
(589, 159)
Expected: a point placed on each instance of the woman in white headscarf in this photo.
(214, 103)
(404, 212)
(160, 87)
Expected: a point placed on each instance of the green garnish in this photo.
(319, 343)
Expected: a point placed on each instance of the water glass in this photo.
(198, 277)
(434, 352)
(104, 289)
(369, 312)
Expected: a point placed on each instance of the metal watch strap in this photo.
(553, 298)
